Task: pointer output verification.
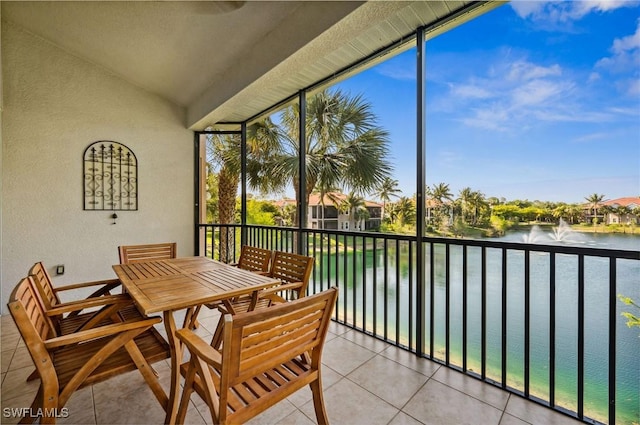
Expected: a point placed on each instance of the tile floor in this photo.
(366, 382)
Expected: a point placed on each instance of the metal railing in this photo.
(540, 321)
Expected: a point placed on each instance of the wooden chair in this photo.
(292, 270)
(136, 253)
(66, 363)
(267, 355)
(76, 315)
(254, 259)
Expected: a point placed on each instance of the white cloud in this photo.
(624, 59)
(526, 71)
(538, 92)
(565, 11)
(469, 91)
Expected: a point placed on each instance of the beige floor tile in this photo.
(303, 395)
(21, 358)
(132, 382)
(403, 419)
(15, 383)
(410, 360)
(388, 380)
(5, 359)
(274, 414)
(348, 404)
(128, 407)
(511, 420)
(536, 414)
(10, 341)
(338, 329)
(12, 406)
(366, 341)
(80, 408)
(344, 356)
(437, 403)
(296, 418)
(473, 387)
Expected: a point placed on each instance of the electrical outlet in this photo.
(60, 269)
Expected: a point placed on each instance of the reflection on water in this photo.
(388, 289)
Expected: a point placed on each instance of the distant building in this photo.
(327, 214)
(621, 210)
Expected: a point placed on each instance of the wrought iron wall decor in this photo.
(110, 180)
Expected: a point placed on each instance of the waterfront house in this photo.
(622, 210)
(334, 212)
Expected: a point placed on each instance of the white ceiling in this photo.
(227, 60)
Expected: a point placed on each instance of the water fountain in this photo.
(563, 233)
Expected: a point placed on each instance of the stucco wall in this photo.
(55, 105)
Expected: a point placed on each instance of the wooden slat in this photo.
(137, 253)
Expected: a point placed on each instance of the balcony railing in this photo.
(540, 321)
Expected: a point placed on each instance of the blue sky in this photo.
(533, 100)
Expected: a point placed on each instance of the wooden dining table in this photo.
(172, 285)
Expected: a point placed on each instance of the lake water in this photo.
(393, 299)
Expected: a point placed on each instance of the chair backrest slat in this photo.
(262, 339)
(148, 252)
(254, 259)
(28, 313)
(290, 268)
(44, 285)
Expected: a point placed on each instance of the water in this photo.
(391, 297)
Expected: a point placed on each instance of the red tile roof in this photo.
(630, 201)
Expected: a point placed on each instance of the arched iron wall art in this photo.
(110, 180)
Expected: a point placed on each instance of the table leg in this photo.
(175, 347)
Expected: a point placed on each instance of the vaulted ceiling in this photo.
(225, 61)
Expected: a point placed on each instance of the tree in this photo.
(594, 200)
(223, 153)
(354, 206)
(224, 159)
(441, 193)
(345, 148)
(385, 191)
(405, 211)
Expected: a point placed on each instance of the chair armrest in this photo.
(275, 289)
(199, 348)
(79, 305)
(108, 282)
(100, 332)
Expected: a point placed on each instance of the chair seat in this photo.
(287, 377)
(69, 359)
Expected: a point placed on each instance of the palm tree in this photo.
(224, 159)
(387, 189)
(355, 206)
(465, 198)
(405, 211)
(223, 152)
(594, 200)
(344, 147)
(441, 193)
